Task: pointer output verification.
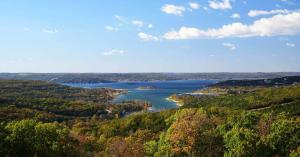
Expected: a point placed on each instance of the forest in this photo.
(40, 119)
(54, 102)
(131, 77)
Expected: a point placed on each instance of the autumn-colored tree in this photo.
(192, 134)
(124, 147)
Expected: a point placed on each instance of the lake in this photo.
(154, 92)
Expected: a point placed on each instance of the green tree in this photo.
(27, 138)
(150, 148)
(295, 153)
(3, 144)
(163, 147)
(21, 138)
(51, 139)
(284, 137)
(240, 142)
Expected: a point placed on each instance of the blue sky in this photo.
(149, 36)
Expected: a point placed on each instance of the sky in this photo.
(124, 36)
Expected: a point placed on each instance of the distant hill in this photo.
(127, 77)
(288, 80)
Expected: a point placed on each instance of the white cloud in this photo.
(230, 46)
(290, 44)
(120, 18)
(184, 33)
(114, 52)
(173, 9)
(225, 4)
(235, 16)
(150, 26)
(110, 28)
(49, 31)
(148, 37)
(138, 23)
(254, 13)
(194, 5)
(277, 25)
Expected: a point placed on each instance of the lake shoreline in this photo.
(156, 93)
(178, 103)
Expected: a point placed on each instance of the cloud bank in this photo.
(173, 9)
(114, 52)
(254, 13)
(111, 28)
(147, 37)
(194, 5)
(230, 46)
(138, 23)
(225, 4)
(287, 24)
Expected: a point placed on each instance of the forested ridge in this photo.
(53, 102)
(129, 77)
(42, 119)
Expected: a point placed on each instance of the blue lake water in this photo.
(156, 96)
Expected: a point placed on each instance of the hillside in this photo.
(54, 102)
(129, 77)
(288, 80)
(264, 122)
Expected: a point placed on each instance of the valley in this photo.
(219, 119)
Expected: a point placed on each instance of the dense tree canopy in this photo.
(260, 122)
(30, 138)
